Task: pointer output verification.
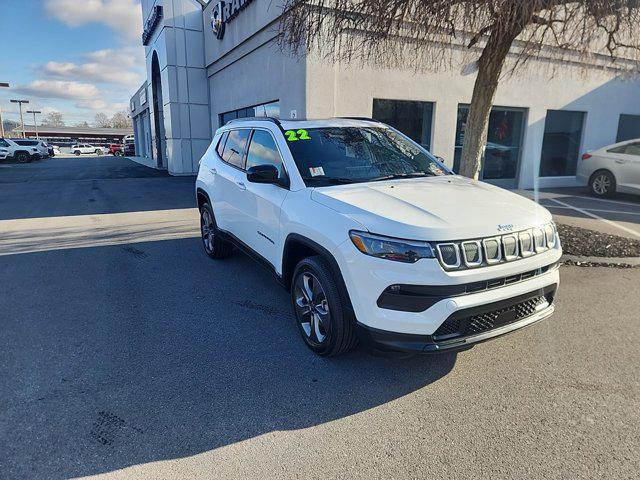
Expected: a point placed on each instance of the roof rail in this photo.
(255, 119)
(361, 118)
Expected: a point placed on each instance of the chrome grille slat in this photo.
(472, 253)
(495, 250)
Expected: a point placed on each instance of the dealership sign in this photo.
(224, 12)
(151, 24)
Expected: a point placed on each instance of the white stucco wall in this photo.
(203, 76)
(349, 90)
(179, 43)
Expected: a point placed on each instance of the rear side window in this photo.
(26, 143)
(629, 149)
(235, 146)
(221, 142)
(633, 149)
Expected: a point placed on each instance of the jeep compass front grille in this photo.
(493, 250)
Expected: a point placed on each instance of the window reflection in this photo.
(504, 142)
(561, 144)
(412, 118)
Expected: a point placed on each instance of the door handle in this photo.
(213, 170)
(619, 160)
(241, 185)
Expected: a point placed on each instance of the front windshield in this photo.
(332, 155)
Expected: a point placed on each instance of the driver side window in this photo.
(263, 151)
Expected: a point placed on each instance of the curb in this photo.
(620, 261)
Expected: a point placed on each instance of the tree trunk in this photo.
(489, 69)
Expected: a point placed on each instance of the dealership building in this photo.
(210, 62)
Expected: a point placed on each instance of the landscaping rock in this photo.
(589, 243)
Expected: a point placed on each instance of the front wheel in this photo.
(22, 157)
(327, 326)
(602, 184)
(77, 153)
(214, 245)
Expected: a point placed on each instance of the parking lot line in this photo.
(618, 202)
(596, 210)
(597, 217)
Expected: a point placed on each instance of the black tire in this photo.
(22, 157)
(602, 184)
(214, 245)
(98, 151)
(329, 316)
(77, 153)
(118, 153)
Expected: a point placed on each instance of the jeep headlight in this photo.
(398, 250)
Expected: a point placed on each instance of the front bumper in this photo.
(476, 327)
(368, 278)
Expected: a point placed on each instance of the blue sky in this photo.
(78, 57)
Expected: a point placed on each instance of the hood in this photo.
(434, 208)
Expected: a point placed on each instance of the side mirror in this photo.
(263, 174)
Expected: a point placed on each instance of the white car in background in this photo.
(85, 148)
(611, 169)
(19, 153)
(41, 147)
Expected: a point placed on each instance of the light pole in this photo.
(35, 124)
(6, 85)
(20, 102)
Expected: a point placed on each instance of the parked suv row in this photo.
(23, 150)
(375, 239)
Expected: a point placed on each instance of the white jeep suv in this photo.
(374, 237)
(82, 148)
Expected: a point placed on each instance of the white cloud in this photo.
(59, 89)
(120, 67)
(92, 104)
(123, 16)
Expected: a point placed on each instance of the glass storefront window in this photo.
(412, 118)
(271, 109)
(561, 144)
(504, 142)
(628, 127)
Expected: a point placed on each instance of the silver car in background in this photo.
(611, 169)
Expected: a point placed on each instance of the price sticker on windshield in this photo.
(295, 135)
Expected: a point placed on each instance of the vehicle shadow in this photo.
(151, 351)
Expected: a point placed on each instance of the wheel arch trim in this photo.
(289, 270)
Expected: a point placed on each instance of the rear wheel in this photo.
(602, 183)
(98, 151)
(118, 153)
(214, 245)
(326, 324)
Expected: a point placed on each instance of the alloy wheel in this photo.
(207, 227)
(312, 308)
(601, 184)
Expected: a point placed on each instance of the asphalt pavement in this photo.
(139, 357)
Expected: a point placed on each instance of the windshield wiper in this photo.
(402, 175)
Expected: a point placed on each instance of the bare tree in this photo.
(121, 120)
(53, 119)
(102, 121)
(82, 124)
(389, 32)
